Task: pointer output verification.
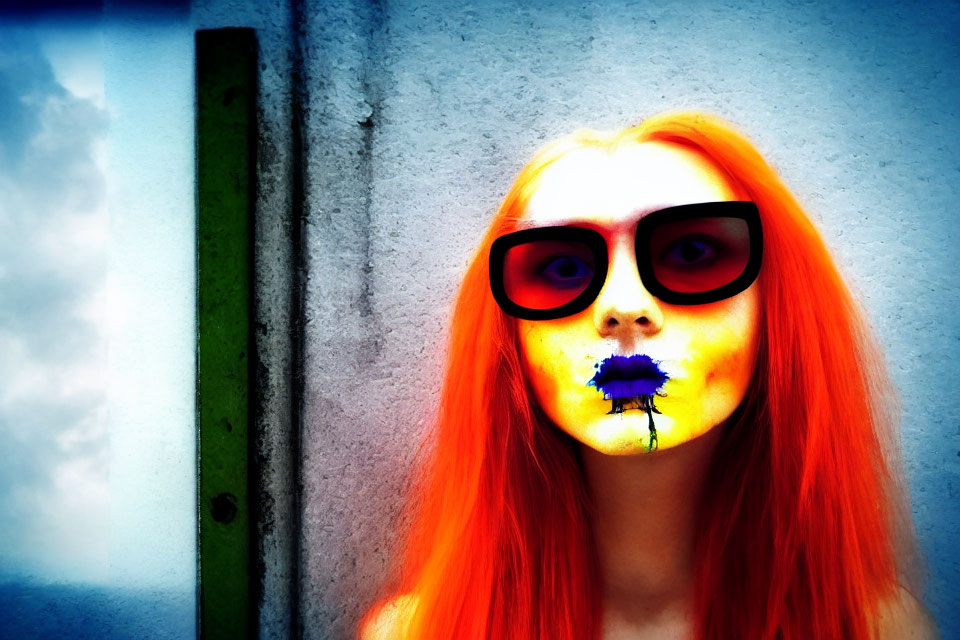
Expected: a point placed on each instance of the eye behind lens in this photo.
(692, 252)
(545, 273)
(566, 272)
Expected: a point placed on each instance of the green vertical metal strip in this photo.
(226, 135)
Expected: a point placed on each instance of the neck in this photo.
(645, 514)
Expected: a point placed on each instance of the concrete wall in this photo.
(415, 118)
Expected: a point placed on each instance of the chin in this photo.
(629, 433)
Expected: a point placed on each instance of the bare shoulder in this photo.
(903, 617)
(391, 620)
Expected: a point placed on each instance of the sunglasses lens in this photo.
(699, 254)
(547, 274)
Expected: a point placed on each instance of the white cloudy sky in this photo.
(96, 237)
(53, 229)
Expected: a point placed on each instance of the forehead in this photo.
(615, 188)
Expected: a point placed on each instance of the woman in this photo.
(663, 415)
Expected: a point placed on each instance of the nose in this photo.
(624, 309)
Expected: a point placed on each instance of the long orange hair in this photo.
(799, 530)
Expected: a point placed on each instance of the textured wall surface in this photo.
(418, 115)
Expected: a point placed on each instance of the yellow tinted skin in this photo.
(708, 351)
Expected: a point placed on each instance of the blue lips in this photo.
(628, 376)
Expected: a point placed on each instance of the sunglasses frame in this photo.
(744, 210)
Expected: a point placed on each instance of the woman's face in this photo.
(707, 351)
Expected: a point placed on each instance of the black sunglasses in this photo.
(688, 254)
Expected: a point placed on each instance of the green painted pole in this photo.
(226, 144)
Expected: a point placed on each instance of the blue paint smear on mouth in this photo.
(628, 376)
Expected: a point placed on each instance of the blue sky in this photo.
(96, 235)
(53, 215)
